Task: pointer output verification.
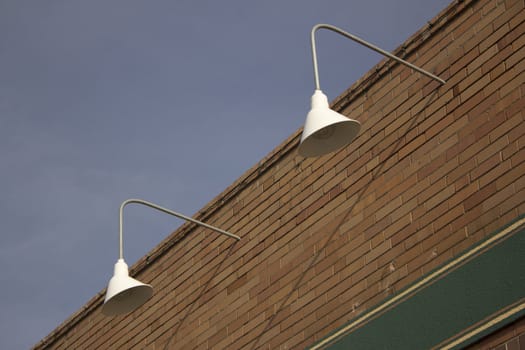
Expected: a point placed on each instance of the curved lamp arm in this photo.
(167, 211)
(364, 43)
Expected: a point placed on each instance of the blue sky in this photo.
(169, 101)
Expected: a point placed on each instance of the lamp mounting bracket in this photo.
(167, 211)
(364, 43)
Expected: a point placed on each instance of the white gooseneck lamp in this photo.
(326, 130)
(124, 293)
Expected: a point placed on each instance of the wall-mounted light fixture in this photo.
(124, 293)
(325, 130)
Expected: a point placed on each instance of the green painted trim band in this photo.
(484, 327)
(452, 268)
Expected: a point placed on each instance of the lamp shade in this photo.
(124, 293)
(325, 130)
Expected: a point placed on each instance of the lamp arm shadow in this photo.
(167, 211)
(364, 43)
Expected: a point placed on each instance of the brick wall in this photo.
(434, 170)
